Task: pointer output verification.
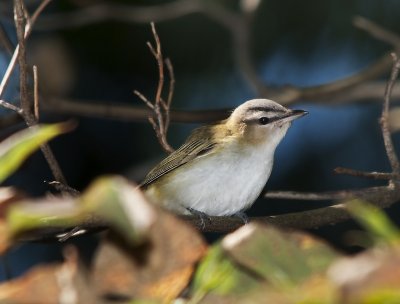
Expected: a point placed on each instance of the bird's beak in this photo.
(291, 115)
(297, 113)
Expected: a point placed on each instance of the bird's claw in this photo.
(201, 215)
(243, 216)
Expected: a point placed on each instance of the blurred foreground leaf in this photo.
(218, 275)
(121, 204)
(112, 200)
(16, 148)
(65, 282)
(158, 268)
(149, 253)
(375, 221)
(371, 277)
(283, 258)
(257, 260)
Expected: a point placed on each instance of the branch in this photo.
(394, 162)
(27, 32)
(87, 108)
(382, 197)
(377, 31)
(160, 119)
(239, 27)
(372, 175)
(328, 195)
(35, 93)
(22, 26)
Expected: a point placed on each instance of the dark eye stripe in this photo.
(265, 109)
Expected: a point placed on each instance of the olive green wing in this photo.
(199, 143)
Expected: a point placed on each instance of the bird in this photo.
(221, 169)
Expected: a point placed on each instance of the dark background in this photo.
(301, 43)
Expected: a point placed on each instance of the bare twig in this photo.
(377, 31)
(328, 195)
(10, 106)
(171, 90)
(27, 31)
(64, 188)
(160, 120)
(20, 24)
(24, 25)
(372, 175)
(115, 110)
(35, 93)
(26, 105)
(394, 162)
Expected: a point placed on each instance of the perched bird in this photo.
(222, 168)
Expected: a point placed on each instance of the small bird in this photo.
(222, 168)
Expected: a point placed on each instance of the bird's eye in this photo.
(263, 120)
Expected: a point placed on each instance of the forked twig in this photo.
(161, 108)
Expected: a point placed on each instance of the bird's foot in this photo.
(201, 215)
(243, 216)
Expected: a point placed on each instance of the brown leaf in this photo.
(8, 195)
(160, 268)
(55, 283)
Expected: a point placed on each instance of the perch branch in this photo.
(310, 219)
(382, 197)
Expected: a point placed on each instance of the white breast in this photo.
(218, 184)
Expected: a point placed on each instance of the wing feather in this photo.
(199, 143)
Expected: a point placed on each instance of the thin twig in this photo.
(13, 61)
(371, 175)
(320, 196)
(10, 106)
(171, 90)
(64, 188)
(20, 23)
(24, 27)
(390, 151)
(121, 111)
(36, 93)
(144, 99)
(160, 119)
(377, 31)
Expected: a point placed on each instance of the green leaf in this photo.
(218, 274)
(16, 148)
(375, 221)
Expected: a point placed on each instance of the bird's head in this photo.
(258, 121)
